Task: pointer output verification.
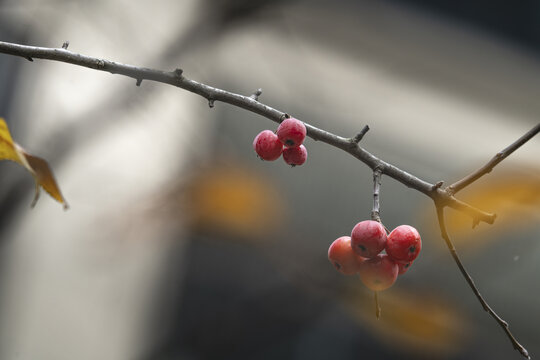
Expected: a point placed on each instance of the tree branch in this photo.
(500, 156)
(441, 197)
(212, 94)
(470, 281)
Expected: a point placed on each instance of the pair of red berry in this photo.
(287, 140)
(361, 253)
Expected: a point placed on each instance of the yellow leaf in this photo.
(38, 167)
(7, 148)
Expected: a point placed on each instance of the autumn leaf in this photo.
(38, 167)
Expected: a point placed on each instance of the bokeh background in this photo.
(181, 244)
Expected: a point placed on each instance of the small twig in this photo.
(468, 278)
(358, 137)
(500, 156)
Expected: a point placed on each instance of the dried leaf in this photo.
(38, 167)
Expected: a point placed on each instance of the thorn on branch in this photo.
(210, 103)
(65, 45)
(256, 94)
(178, 72)
(358, 137)
(437, 185)
(29, 58)
(138, 83)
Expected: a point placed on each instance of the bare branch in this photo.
(212, 94)
(441, 197)
(470, 281)
(500, 156)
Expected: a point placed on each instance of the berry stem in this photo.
(375, 212)
(377, 306)
(470, 281)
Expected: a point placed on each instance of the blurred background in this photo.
(181, 244)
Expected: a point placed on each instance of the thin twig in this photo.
(500, 156)
(358, 137)
(212, 94)
(468, 278)
(441, 197)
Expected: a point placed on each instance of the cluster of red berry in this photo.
(361, 253)
(287, 140)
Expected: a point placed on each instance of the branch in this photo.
(470, 281)
(441, 197)
(500, 156)
(250, 103)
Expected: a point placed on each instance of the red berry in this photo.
(368, 238)
(378, 273)
(404, 243)
(403, 267)
(291, 132)
(342, 256)
(295, 155)
(267, 145)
